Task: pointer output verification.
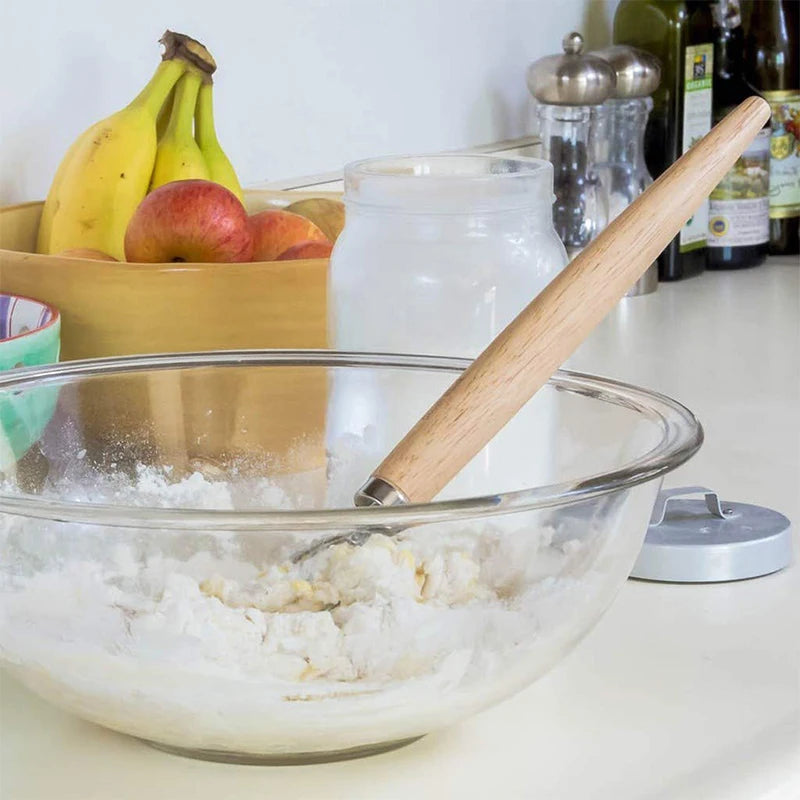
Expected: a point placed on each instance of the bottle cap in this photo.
(573, 78)
(701, 541)
(638, 73)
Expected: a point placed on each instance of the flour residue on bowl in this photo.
(219, 641)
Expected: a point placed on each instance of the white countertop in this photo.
(680, 692)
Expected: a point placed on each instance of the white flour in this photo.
(232, 647)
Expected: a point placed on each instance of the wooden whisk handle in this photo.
(522, 358)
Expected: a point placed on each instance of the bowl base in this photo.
(283, 759)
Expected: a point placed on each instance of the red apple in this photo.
(192, 220)
(275, 231)
(87, 252)
(307, 249)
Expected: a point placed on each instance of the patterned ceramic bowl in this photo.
(29, 332)
(30, 335)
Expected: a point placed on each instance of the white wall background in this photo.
(302, 86)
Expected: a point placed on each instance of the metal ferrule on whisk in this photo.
(379, 492)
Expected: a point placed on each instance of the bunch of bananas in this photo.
(166, 133)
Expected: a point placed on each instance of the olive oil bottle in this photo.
(738, 225)
(772, 66)
(680, 34)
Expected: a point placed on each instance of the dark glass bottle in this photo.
(738, 224)
(772, 66)
(680, 34)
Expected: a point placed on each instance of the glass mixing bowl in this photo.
(146, 571)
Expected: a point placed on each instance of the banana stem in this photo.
(204, 132)
(154, 94)
(179, 44)
(180, 121)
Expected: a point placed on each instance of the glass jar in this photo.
(569, 141)
(439, 253)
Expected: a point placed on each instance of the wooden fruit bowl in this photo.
(112, 309)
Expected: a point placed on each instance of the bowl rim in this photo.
(55, 318)
(682, 436)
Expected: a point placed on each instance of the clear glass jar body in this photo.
(440, 252)
(438, 255)
(570, 143)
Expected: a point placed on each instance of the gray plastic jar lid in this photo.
(707, 541)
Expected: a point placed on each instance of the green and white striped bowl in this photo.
(30, 335)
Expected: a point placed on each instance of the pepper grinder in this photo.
(620, 133)
(570, 89)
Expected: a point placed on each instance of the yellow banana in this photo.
(49, 210)
(107, 173)
(219, 166)
(178, 157)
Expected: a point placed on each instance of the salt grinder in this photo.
(620, 131)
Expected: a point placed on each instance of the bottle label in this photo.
(784, 166)
(697, 100)
(739, 206)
